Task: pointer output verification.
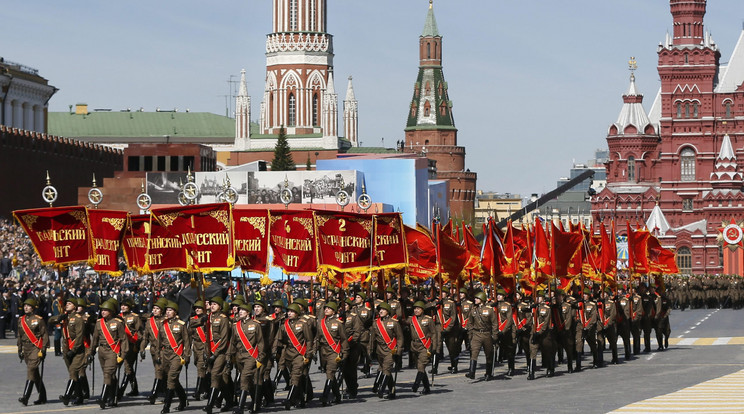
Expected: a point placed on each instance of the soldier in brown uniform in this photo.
(133, 329)
(354, 329)
(541, 338)
(110, 341)
(73, 348)
(423, 343)
(565, 327)
(333, 347)
(483, 331)
(661, 323)
(312, 321)
(507, 332)
(175, 352)
(248, 348)
(278, 356)
(386, 337)
(649, 315)
(89, 325)
(523, 324)
(199, 341)
(296, 340)
(606, 324)
(33, 341)
(589, 316)
(219, 342)
(623, 320)
(447, 319)
(269, 327)
(366, 315)
(153, 326)
(463, 312)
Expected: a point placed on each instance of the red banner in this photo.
(292, 241)
(661, 261)
(134, 244)
(390, 242)
(251, 230)
(148, 247)
(422, 254)
(107, 229)
(59, 234)
(344, 241)
(205, 231)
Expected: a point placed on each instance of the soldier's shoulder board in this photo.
(180, 322)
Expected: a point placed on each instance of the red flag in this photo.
(452, 256)
(107, 229)
(293, 241)
(252, 240)
(344, 241)
(661, 261)
(422, 254)
(609, 252)
(149, 247)
(472, 246)
(564, 246)
(390, 242)
(637, 250)
(59, 234)
(542, 261)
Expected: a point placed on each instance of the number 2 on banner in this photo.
(341, 225)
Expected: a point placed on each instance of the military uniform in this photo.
(424, 344)
(463, 313)
(623, 322)
(366, 316)
(219, 341)
(607, 327)
(33, 341)
(175, 351)
(589, 316)
(447, 318)
(565, 330)
(249, 350)
(269, 328)
(333, 347)
(541, 339)
(648, 318)
(507, 335)
(133, 329)
(199, 341)
(385, 338)
(354, 330)
(110, 341)
(73, 350)
(661, 323)
(483, 331)
(152, 328)
(296, 340)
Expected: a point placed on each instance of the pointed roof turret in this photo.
(243, 90)
(330, 88)
(657, 221)
(350, 91)
(726, 166)
(632, 113)
(430, 27)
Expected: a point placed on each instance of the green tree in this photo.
(282, 154)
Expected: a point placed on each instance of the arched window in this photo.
(728, 109)
(427, 108)
(292, 118)
(631, 168)
(315, 110)
(293, 15)
(684, 260)
(428, 50)
(694, 110)
(687, 164)
(687, 61)
(679, 110)
(687, 109)
(313, 26)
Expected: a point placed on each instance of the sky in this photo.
(535, 84)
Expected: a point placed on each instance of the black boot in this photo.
(258, 395)
(435, 367)
(197, 390)
(42, 393)
(551, 368)
(531, 366)
(453, 366)
(510, 369)
(228, 393)
(381, 386)
(336, 392)
(308, 390)
(85, 387)
(326, 393)
(376, 385)
(416, 382)
(69, 389)
(241, 402)
(122, 387)
(154, 393)
(285, 375)
(211, 400)
(167, 402)
(26, 392)
(182, 399)
(267, 393)
(104, 396)
(471, 371)
(135, 388)
(578, 364)
(425, 382)
(78, 393)
(391, 387)
(289, 402)
(489, 371)
(57, 347)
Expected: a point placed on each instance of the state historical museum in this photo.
(675, 168)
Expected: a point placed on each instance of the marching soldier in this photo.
(565, 325)
(133, 329)
(33, 341)
(249, 350)
(661, 323)
(385, 338)
(110, 341)
(606, 325)
(199, 341)
(73, 347)
(483, 331)
(623, 320)
(269, 328)
(89, 326)
(541, 338)
(219, 342)
(175, 351)
(424, 342)
(333, 346)
(296, 340)
(366, 315)
(281, 365)
(589, 318)
(447, 318)
(523, 324)
(354, 328)
(153, 326)
(507, 333)
(463, 312)
(649, 315)
(311, 320)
